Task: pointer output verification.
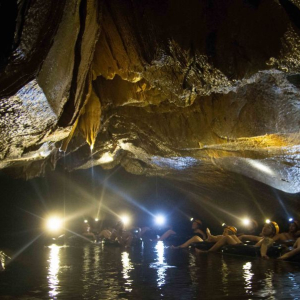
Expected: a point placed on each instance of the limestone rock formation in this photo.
(198, 91)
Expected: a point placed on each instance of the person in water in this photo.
(105, 234)
(285, 237)
(290, 236)
(269, 230)
(227, 238)
(124, 238)
(265, 240)
(295, 251)
(198, 235)
(87, 231)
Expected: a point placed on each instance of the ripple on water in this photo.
(153, 272)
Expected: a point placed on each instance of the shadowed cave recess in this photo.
(203, 93)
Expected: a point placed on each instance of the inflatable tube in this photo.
(247, 250)
(135, 242)
(203, 245)
(295, 258)
(107, 242)
(75, 240)
(241, 249)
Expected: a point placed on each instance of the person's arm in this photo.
(264, 245)
(293, 252)
(166, 235)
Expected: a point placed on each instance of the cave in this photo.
(194, 106)
(202, 94)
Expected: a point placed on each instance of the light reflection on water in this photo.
(127, 266)
(248, 277)
(53, 269)
(268, 288)
(160, 264)
(153, 272)
(225, 272)
(86, 268)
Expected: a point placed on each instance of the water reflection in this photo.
(161, 271)
(127, 266)
(160, 264)
(268, 288)
(295, 285)
(87, 269)
(93, 272)
(53, 269)
(192, 267)
(225, 272)
(248, 277)
(97, 251)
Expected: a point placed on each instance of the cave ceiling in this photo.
(203, 92)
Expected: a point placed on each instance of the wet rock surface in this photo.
(201, 93)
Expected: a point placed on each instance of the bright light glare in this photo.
(106, 158)
(246, 221)
(262, 167)
(160, 220)
(125, 220)
(54, 224)
(191, 219)
(291, 219)
(85, 221)
(96, 219)
(268, 221)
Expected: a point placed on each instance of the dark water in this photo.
(148, 272)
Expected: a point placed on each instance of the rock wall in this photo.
(202, 92)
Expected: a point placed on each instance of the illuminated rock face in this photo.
(202, 93)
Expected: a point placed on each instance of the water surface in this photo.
(150, 271)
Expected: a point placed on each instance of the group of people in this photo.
(116, 234)
(268, 236)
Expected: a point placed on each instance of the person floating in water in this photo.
(289, 237)
(269, 230)
(87, 231)
(123, 237)
(293, 252)
(227, 238)
(265, 240)
(198, 235)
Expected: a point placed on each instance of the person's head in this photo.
(270, 229)
(229, 230)
(294, 226)
(196, 223)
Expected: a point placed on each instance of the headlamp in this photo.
(160, 220)
(125, 220)
(54, 224)
(246, 221)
